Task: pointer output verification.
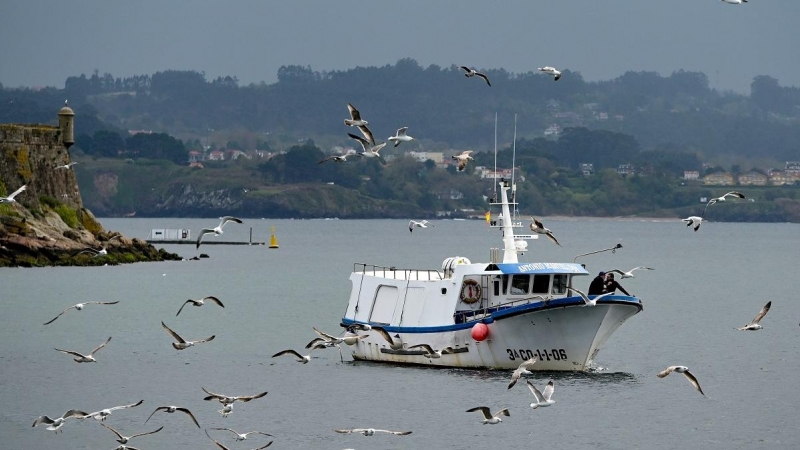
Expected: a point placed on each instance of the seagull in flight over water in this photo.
(629, 274)
(124, 439)
(66, 166)
(10, 198)
(685, 371)
(521, 370)
(722, 199)
(104, 413)
(370, 149)
(430, 352)
(754, 325)
(172, 409)
(538, 227)
(222, 447)
(474, 73)
(242, 436)
(227, 399)
(693, 220)
(201, 302)
(551, 71)
(395, 343)
(57, 423)
(490, 418)
(340, 158)
(81, 358)
(418, 224)
(542, 399)
(586, 300)
(371, 431)
(79, 307)
(183, 344)
(463, 158)
(401, 136)
(218, 229)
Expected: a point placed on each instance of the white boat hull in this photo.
(563, 338)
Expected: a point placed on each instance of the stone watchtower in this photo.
(66, 124)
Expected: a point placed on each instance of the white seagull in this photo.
(722, 199)
(218, 229)
(355, 118)
(222, 447)
(371, 431)
(490, 418)
(685, 371)
(551, 71)
(227, 409)
(693, 220)
(124, 439)
(754, 325)
(463, 158)
(103, 250)
(586, 300)
(339, 158)
(104, 413)
(79, 307)
(227, 399)
(201, 302)
(184, 344)
(301, 358)
(10, 198)
(66, 166)
(430, 352)
(57, 423)
(734, 2)
(418, 224)
(542, 399)
(172, 409)
(393, 344)
(473, 73)
(370, 148)
(629, 274)
(349, 339)
(539, 228)
(400, 136)
(521, 370)
(81, 358)
(242, 436)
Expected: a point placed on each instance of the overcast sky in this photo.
(42, 42)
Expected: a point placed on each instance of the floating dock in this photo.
(184, 236)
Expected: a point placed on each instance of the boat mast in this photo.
(509, 246)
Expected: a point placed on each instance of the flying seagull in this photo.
(81, 358)
(539, 228)
(104, 413)
(586, 300)
(395, 343)
(542, 399)
(242, 436)
(103, 250)
(401, 136)
(183, 344)
(222, 447)
(10, 198)
(301, 358)
(124, 439)
(339, 158)
(346, 339)
(685, 371)
(521, 370)
(722, 199)
(66, 166)
(370, 148)
(371, 431)
(754, 325)
(735, 2)
(218, 229)
(79, 307)
(200, 302)
(551, 71)
(430, 352)
(227, 399)
(693, 220)
(172, 409)
(629, 274)
(418, 224)
(472, 73)
(463, 158)
(57, 423)
(490, 418)
(355, 117)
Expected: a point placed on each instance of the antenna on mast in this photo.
(513, 163)
(495, 155)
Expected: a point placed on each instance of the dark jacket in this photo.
(612, 286)
(597, 286)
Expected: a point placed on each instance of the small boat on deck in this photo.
(491, 315)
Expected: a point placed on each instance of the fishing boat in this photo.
(491, 315)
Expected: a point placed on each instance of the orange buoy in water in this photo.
(480, 331)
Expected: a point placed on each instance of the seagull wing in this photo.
(70, 352)
(325, 335)
(216, 442)
(288, 352)
(384, 334)
(15, 193)
(367, 134)
(59, 315)
(528, 362)
(146, 433)
(189, 413)
(215, 300)
(101, 346)
(362, 141)
(354, 114)
(666, 371)
(210, 338)
(396, 433)
(212, 395)
(548, 390)
(173, 334)
(761, 313)
(502, 412)
(344, 431)
(693, 380)
(115, 431)
(184, 304)
(642, 268)
(617, 271)
(126, 406)
(483, 409)
(536, 393)
(226, 219)
(327, 159)
(583, 296)
(537, 222)
(552, 238)
(485, 78)
(42, 419)
(155, 411)
(424, 346)
(735, 194)
(466, 68)
(200, 236)
(316, 341)
(247, 398)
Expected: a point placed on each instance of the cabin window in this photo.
(504, 283)
(560, 283)
(541, 284)
(520, 284)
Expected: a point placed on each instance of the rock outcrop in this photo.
(46, 224)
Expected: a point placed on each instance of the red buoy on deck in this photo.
(480, 331)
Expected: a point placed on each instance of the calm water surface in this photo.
(704, 285)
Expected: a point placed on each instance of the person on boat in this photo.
(598, 284)
(612, 285)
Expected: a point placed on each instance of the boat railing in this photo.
(478, 314)
(398, 274)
